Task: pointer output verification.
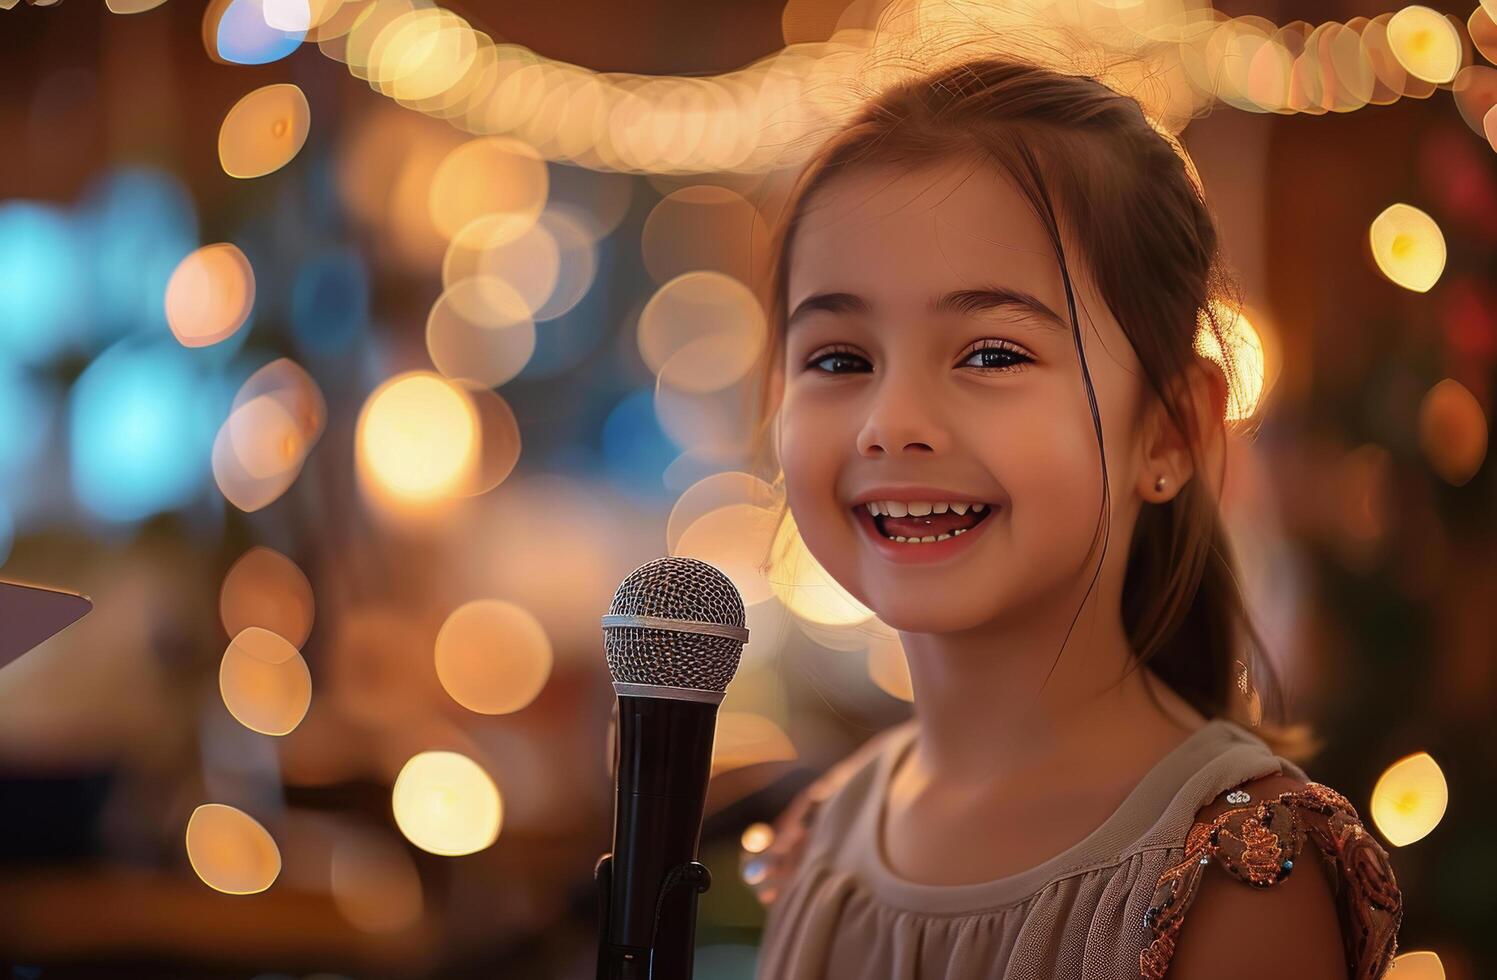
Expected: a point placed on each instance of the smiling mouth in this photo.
(930, 528)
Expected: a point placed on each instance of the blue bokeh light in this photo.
(330, 302)
(42, 307)
(245, 39)
(140, 224)
(636, 450)
(142, 420)
(27, 407)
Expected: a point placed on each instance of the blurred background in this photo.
(353, 351)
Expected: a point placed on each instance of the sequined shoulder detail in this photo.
(1259, 844)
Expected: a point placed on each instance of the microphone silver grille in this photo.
(676, 622)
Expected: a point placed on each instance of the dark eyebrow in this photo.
(965, 301)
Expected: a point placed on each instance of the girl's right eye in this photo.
(835, 354)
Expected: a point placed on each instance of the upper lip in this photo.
(909, 492)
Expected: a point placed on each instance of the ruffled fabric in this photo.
(1259, 845)
(1083, 926)
(841, 911)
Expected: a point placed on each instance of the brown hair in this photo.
(1128, 194)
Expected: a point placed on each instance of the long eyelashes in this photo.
(1016, 360)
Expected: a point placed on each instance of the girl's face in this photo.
(981, 399)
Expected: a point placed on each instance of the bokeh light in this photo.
(41, 312)
(385, 172)
(705, 227)
(529, 263)
(1408, 247)
(1425, 43)
(264, 131)
(1409, 799)
(417, 437)
(446, 804)
(239, 32)
(230, 851)
(636, 450)
(139, 441)
(265, 588)
(491, 176)
(493, 656)
(210, 295)
(264, 682)
(702, 331)
(1453, 431)
(745, 738)
(578, 264)
(276, 418)
(421, 55)
(480, 329)
(287, 15)
(1416, 964)
(498, 444)
(756, 838)
(805, 587)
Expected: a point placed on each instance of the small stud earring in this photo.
(1159, 484)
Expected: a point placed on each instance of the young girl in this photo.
(997, 432)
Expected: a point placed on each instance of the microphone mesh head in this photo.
(685, 590)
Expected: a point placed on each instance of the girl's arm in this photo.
(1290, 882)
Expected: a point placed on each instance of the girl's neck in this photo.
(989, 717)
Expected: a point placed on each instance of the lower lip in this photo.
(924, 553)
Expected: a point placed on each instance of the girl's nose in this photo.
(902, 419)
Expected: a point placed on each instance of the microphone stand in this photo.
(617, 962)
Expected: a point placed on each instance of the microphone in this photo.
(673, 636)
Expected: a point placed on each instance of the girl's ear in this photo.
(1201, 396)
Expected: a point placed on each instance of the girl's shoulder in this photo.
(767, 871)
(1258, 834)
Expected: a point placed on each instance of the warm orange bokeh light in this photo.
(265, 588)
(493, 656)
(264, 682)
(417, 437)
(446, 804)
(210, 295)
(1409, 799)
(264, 131)
(230, 851)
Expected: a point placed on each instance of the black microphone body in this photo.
(664, 755)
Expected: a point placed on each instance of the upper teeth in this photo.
(919, 508)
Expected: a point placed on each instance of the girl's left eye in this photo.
(997, 356)
(994, 356)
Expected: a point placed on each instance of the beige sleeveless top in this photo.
(1081, 913)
